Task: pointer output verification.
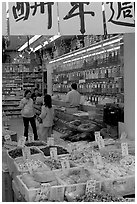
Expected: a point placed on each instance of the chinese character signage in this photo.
(29, 18)
(4, 23)
(77, 18)
(120, 17)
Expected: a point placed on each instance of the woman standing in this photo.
(46, 117)
(27, 112)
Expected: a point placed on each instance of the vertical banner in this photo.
(120, 17)
(29, 18)
(4, 20)
(77, 18)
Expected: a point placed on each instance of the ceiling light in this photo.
(33, 39)
(37, 48)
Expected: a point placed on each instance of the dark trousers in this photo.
(33, 125)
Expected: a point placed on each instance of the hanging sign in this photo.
(21, 142)
(4, 20)
(124, 147)
(27, 18)
(81, 17)
(120, 17)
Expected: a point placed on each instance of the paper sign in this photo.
(97, 135)
(21, 142)
(30, 138)
(84, 16)
(7, 137)
(81, 81)
(124, 147)
(65, 164)
(120, 17)
(123, 136)
(91, 186)
(53, 153)
(50, 141)
(29, 18)
(99, 140)
(26, 153)
(97, 159)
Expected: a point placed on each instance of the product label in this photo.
(21, 142)
(50, 141)
(26, 153)
(53, 153)
(7, 137)
(90, 186)
(124, 147)
(65, 164)
(30, 138)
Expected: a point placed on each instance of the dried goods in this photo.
(18, 152)
(60, 150)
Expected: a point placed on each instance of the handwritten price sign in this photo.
(99, 140)
(124, 147)
(50, 141)
(53, 153)
(21, 142)
(30, 138)
(26, 153)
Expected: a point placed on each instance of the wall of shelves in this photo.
(97, 69)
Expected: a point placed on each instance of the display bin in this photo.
(38, 144)
(80, 187)
(119, 186)
(11, 164)
(56, 193)
(7, 192)
(17, 195)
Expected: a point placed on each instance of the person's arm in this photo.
(43, 113)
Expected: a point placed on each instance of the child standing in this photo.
(46, 117)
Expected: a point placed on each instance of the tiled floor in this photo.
(16, 124)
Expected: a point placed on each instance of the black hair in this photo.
(74, 86)
(26, 92)
(48, 101)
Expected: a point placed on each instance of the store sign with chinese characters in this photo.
(77, 18)
(29, 18)
(120, 17)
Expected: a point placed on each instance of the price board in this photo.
(30, 138)
(65, 164)
(124, 147)
(26, 153)
(21, 142)
(50, 141)
(53, 153)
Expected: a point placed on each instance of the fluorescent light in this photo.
(93, 48)
(33, 39)
(54, 38)
(113, 41)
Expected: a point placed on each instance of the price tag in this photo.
(21, 142)
(7, 137)
(65, 164)
(50, 141)
(97, 136)
(26, 153)
(91, 186)
(97, 159)
(124, 147)
(53, 153)
(30, 138)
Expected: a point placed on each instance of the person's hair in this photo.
(26, 92)
(36, 89)
(48, 101)
(74, 86)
